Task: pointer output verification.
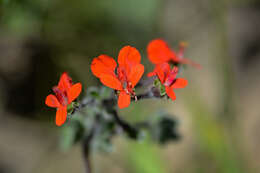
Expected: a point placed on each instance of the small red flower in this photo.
(65, 93)
(159, 52)
(167, 76)
(127, 75)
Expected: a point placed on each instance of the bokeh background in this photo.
(218, 113)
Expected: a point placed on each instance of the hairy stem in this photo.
(86, 146)
(86, 153)
(131, 131)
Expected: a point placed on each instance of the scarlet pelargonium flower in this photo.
(159, 52)
(65, 93)
(127, 75)
(167, 77)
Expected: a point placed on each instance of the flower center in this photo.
(61, 96)
(128, 87)
(170, 79)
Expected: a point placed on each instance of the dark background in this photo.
(218, 113)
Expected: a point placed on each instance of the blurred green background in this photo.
(218, 113)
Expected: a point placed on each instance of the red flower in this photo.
(127, 75)
(167, 76)
(65, 93)
(159, 52)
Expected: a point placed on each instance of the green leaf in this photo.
(163, 128)
(166, 127)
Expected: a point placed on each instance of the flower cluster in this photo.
(167, 77)
(159, 52)
(128, 73)
(124, 75)
(65, 93)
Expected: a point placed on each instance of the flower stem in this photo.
(131, 131)
(87, 161)
(86, 146)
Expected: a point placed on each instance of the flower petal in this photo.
(180, 83)
(162, 71)
(170, 92)
(129, 56)
(61, 115)
(153, 73)
(65, 82)
(159, 52)
(124, 100)
(52, 101)
(103, 64)
(111, 81)
(135, 74)
(74, 92)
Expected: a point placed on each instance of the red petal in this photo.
(123, 100)
(151, 74)
(180, 83)
(65, 82)
(170, 93)
(159, 52)
(136, 73)
(74, 92)
(103, 64)
(128, 56)
(52, 101)
(61, 115)
(162, 71)
(111, 81)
